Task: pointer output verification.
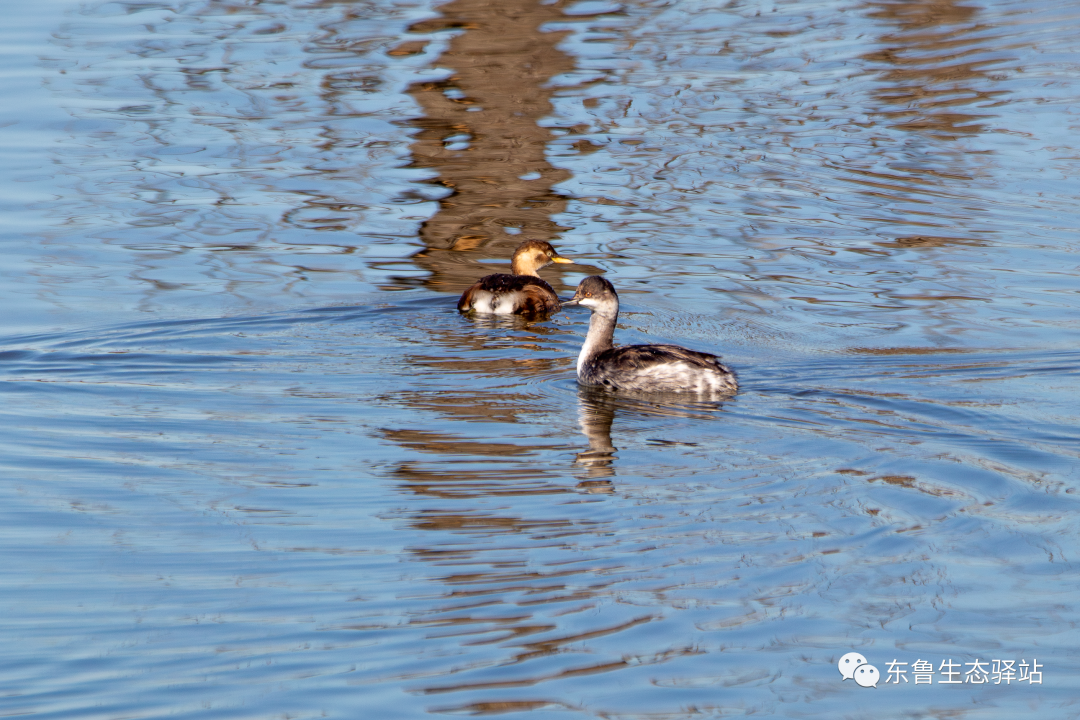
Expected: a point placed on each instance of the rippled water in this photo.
(258, 466)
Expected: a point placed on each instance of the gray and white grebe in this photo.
(640, 368)
(523, 292)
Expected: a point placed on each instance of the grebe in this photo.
(523, 292)
(642, 368)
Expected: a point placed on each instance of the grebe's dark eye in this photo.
(588, 294)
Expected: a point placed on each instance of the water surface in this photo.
(258, 466)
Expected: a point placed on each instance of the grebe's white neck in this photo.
(601, 329)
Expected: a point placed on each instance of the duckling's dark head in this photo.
(597, 294)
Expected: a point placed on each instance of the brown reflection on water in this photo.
(930, 241)
(464, 348)
(480, 133)
(934, 63)
(596, 412)
(937, 62)
(515, 581)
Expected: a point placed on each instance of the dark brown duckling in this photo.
(640, 368)
(520, 293)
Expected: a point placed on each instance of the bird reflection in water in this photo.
(596, 411)
(597, 408)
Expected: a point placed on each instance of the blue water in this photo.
(256, 464)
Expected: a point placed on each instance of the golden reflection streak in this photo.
(932, 71)
(932, 64)
(480, 132)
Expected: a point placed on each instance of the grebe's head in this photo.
(597, 294)
(532, 255)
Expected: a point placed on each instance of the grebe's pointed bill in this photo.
(561, 259)
(594, 291)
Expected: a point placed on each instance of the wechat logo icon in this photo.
(853, 666)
